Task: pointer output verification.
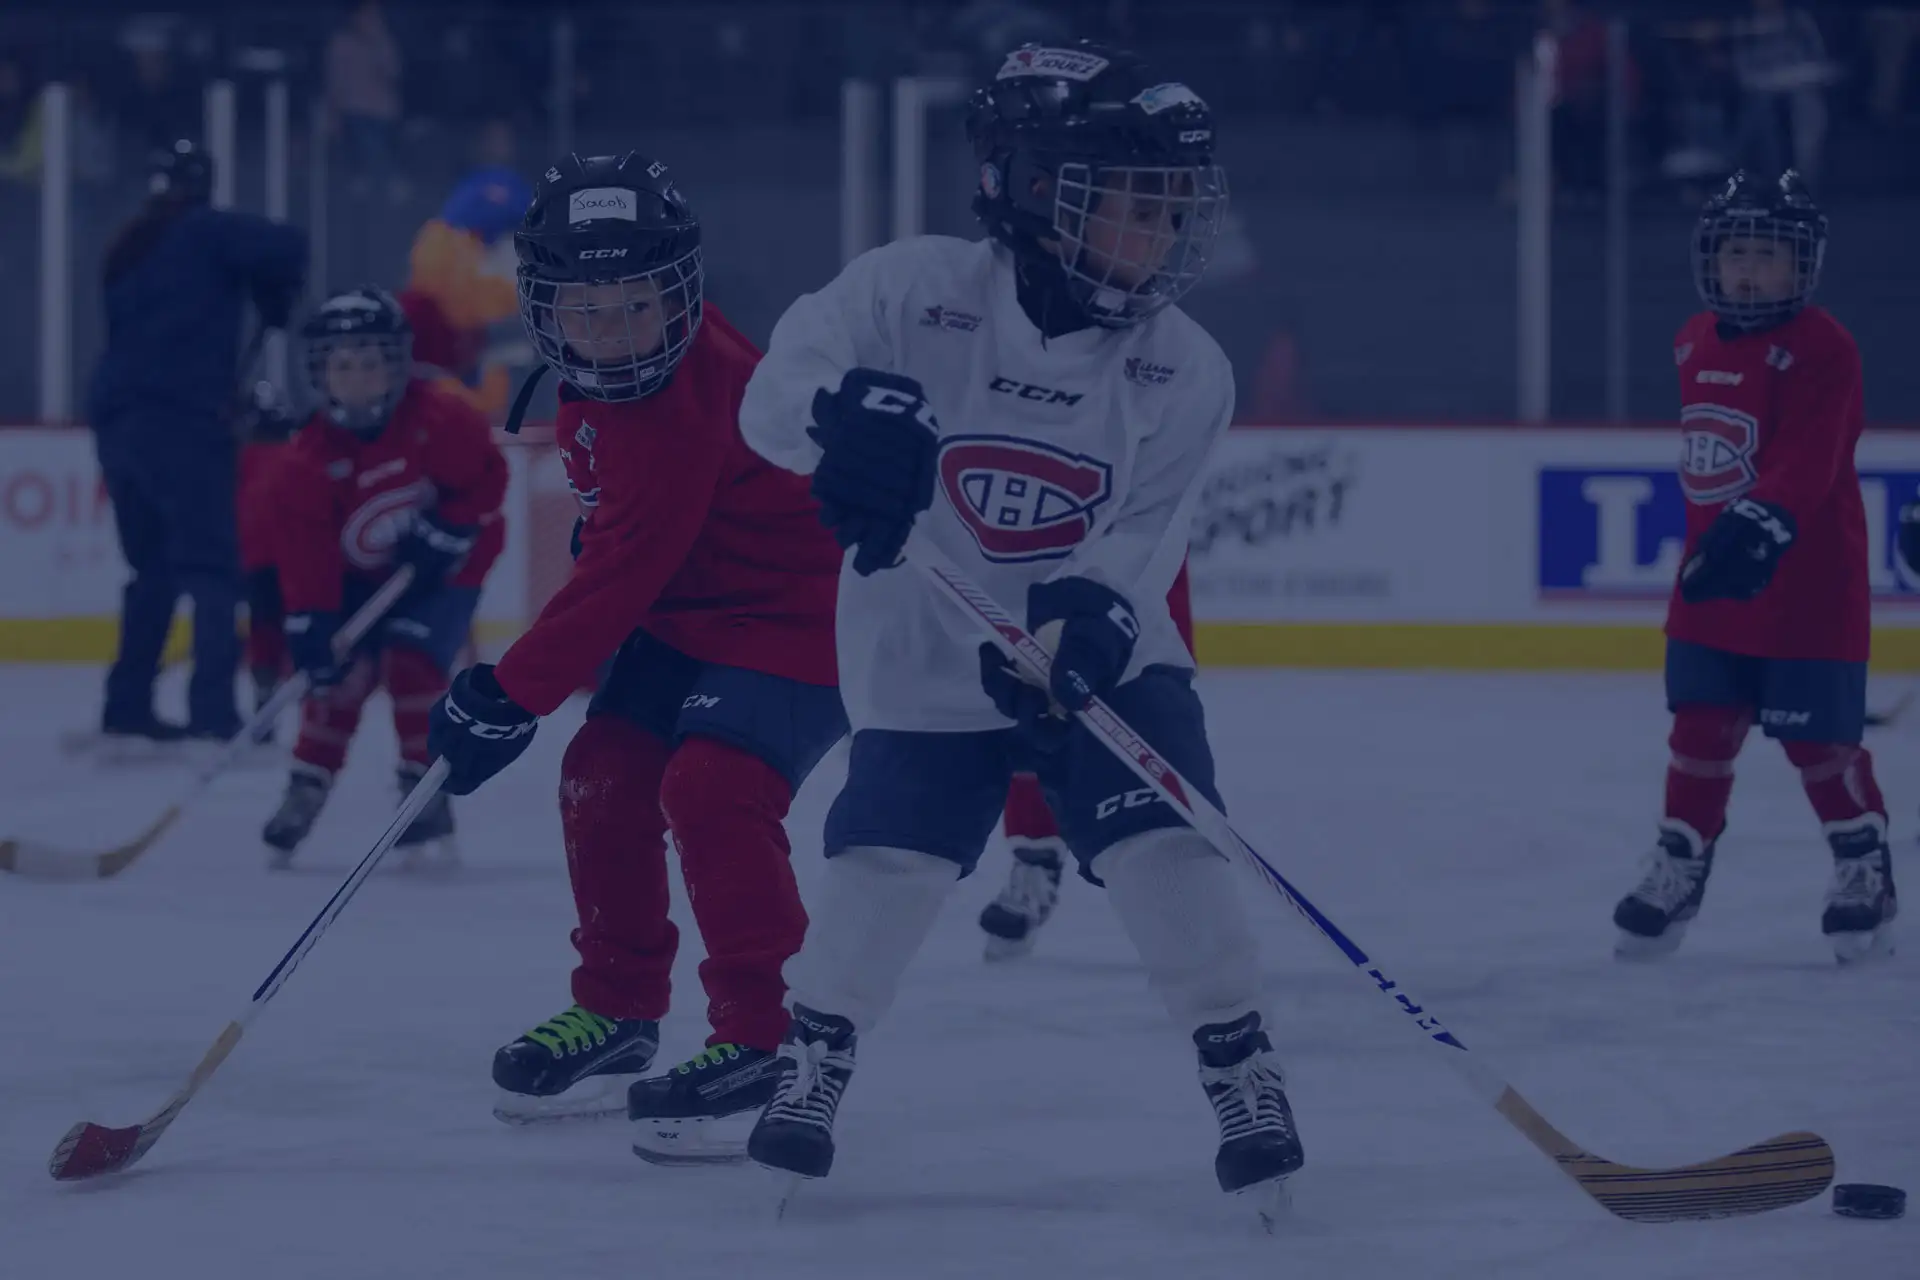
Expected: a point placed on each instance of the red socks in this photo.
(1027, 816)
(329, 717)
(415, 684)
(1838, 777)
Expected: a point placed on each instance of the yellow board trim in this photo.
(94, 640)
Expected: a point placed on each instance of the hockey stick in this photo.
(1895, 710)
(50, 862)
(89, 1150)
(1768, 1175)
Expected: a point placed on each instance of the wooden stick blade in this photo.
(35, 861)
(1774, 1174)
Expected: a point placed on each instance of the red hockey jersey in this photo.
(341, 502)
(1775, 416)
(689, 536)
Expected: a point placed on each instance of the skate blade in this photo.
(596, 1098)
(1851, 949)
(92, 746)
(699, 1140)
(1631, 946)
(787, 1186)
(429, 858)
(999, 949)
(278, 859)
(1272, 1202)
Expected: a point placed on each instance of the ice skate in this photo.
(1653, 919)
(1012, 920)
(427, 843)
(127, 740)
(701, 1111)
(576, 1065)
(1861, 905)
(1259, 1146)
(794, 1135)
(305, 796)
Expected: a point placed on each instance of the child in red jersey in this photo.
(392, 470)
(705, 574)
(1769, 616)
(1013, 919)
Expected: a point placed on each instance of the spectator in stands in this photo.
(157, 101)
(18, 127)
(363, 98)
(1893, 31)
(1782, 64)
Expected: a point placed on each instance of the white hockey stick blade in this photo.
(1769, 1175)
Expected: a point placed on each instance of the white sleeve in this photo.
(845, 325)
(1140, 551)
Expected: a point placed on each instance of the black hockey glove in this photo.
(1738, 553)
(434, 548)
(879, 448)
(310, 644)
(1097, 629)
(1028, 705)
(477, 729)
(1909, 540)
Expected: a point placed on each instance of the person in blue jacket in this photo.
(178, 277)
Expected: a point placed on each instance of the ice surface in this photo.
(1033, 1119)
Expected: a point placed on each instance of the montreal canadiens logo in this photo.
(1716, 452)
(368, 536)
(1020, 499)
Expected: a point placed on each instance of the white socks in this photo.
(876, 908)
(1180, 903)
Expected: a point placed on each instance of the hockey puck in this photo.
(1865, 1200)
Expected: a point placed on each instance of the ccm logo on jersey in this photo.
(368, 536)
(1040, 395)
(1720, 377)
(1717, 445)
(1022, 500)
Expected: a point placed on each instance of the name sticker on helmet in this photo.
(1162, 97)
(1052, 64)
(601, 202)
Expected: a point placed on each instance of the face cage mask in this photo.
(1801, 242)
(637, 373)
(1162, 223)
(365, 421)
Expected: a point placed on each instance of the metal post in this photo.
(56, 253)
(912, 97)
(221, 111)
(1618, 181)
(1533, 167)
(317, 199)
(278, 180)
(859, 167)
(562, 90)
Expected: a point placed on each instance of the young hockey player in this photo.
(1012, 920)
(1036, 405)
(705, 574)
(1769, 618)
(390, 471)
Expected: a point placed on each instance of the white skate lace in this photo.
(1248, 1097)
(812, 1094)
(1857, 882)
(1668, 880)
(1031, 892)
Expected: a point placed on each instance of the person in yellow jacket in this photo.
(460, 284)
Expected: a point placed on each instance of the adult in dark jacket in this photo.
(177, 279)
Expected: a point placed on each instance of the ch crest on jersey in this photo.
(1717, 451)
(367, 537)
(1020, 499)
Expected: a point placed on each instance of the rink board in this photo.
(1471, 548)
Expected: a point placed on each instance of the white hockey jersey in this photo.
(1079, 455)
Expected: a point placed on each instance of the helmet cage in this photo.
(369, 420)
(556, 316)
(1135, 238)
(1803, 240)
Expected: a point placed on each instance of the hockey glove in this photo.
(1738, 553)
(477, 729)
(1091, 630)
(1909, 541)
(310, 645)
(879, 448)
(434, 548)
(1028, 705)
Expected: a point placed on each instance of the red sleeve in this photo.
(306, 536)
(1819, 409)
(655, 492)
(467, 468)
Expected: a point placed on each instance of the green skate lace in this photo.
(711, 1056)
(574, 1031)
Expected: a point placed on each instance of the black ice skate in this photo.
(1242, 1078)
(701, 1111)
(1654, 917)
(1012, 920)
(1861, 905)
(427, 843)
(576, 1065)
(306, 795)
(795, 1133)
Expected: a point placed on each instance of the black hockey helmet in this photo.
(1082, 148)
(181, 172)
(610, 282)
(342, 339)
(1777, 220)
